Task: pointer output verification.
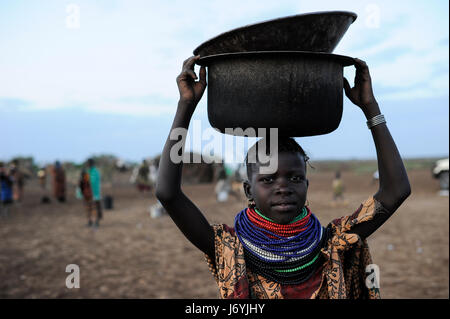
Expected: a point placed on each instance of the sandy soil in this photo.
(133, 255)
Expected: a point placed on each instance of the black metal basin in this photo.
(300, 93)
(316, 32)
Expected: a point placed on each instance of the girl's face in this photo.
(282, 195)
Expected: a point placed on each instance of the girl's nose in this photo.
(282, 186)
(284, 191)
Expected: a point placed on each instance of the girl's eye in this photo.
(297, 178)
(267, 179)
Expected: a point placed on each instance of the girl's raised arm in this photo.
(183, 212)
(394, 185)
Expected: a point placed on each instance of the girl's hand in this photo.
(361, 94)
(191, 91)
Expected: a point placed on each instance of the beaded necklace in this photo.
(287, 253)
(295, 226)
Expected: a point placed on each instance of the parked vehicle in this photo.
(440, 171)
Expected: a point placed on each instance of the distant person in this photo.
(153, 172)
(143, 178)
(42, 176)
(59, 182)
(19, 181)
(95, 180)
(156, 210)
(375, 177)
(338, 187)
(238, 178)
(222, 187)
(6, 190)
(84, 185)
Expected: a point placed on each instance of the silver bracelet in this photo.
(376, 120)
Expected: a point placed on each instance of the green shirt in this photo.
(94, 178)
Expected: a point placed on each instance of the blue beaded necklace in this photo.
(269, 252)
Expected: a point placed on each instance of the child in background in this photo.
(338, 187)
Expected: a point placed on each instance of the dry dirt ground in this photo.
(133, 255)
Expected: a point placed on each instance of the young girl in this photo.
(277, 247)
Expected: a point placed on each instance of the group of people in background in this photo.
(58, 175)
(144, 176)
(88, 186)
(12, 182)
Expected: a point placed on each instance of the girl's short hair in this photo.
(285, 145)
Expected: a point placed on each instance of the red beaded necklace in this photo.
(288, 230)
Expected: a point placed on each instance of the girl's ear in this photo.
(248, 189)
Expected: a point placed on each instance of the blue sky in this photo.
(105, 83)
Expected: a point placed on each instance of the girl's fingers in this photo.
(360, 64)
(362, 71)
(189, 63)
(189, 74)
(348, 90)
(347, 87)
(188, 68)
(188, 60)
(203, 75)
(192, 74)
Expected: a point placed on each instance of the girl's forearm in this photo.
(394, 185)
(393, 179)
(169, 176)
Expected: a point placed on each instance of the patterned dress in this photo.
(341, 275)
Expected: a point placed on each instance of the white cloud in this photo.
(437, 87)
(408, 50)
(127, 109)
(407, 70)
(118, 51)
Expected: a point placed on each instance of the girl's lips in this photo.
(284, 203)
(284, 206)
